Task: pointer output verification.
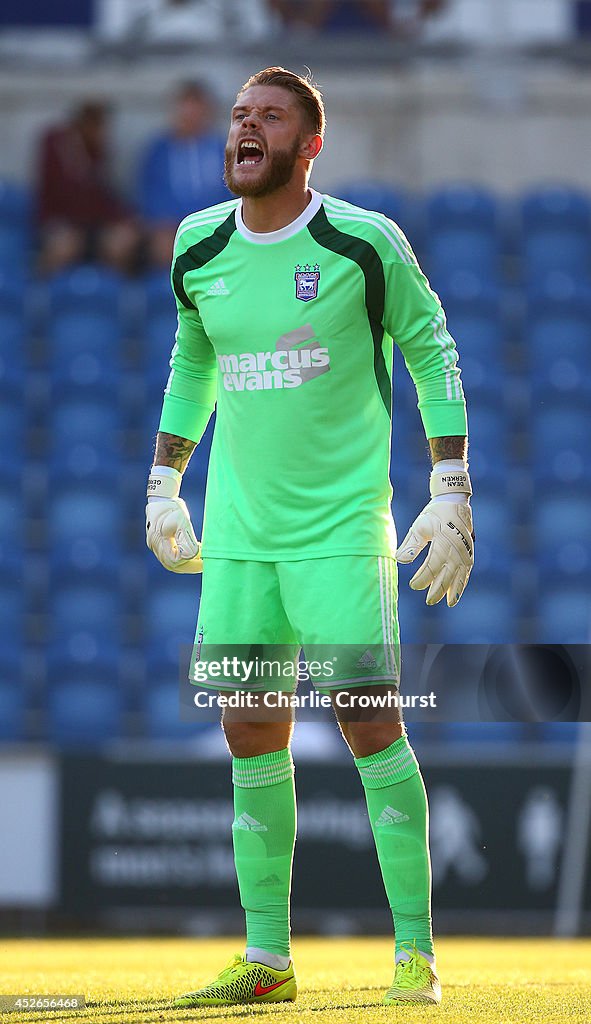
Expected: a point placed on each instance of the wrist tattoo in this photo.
(448, 448)
(173, 451)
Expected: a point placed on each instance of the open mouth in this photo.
(249, 153)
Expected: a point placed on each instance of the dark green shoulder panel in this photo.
(363, 253)
(196, 256)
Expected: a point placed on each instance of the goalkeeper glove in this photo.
(169, 531)
(446, 524)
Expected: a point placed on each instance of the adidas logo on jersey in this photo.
(249, 824)
(367, 660)
(218, 288)
(390, 816)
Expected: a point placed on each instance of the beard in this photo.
(278, 172)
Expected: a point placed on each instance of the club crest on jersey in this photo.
(306, 279)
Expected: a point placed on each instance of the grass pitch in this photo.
(131, 981)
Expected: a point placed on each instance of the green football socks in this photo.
(263, 832)
(397, 805)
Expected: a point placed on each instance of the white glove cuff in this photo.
(164, 482)
(450, 477)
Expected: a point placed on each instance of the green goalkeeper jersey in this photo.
(289, 334)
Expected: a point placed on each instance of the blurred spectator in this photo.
(80, 214)
(181, 170)
(333, 15)
(355, 15)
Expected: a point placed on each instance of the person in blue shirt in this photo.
(181, 171)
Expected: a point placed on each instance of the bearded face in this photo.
(254, 169)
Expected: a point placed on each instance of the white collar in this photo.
(268, 237)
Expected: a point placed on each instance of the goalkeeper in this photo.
(288, 303)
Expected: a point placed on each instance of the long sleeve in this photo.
(415, 319)
(190, 394)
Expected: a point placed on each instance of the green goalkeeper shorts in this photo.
(254, 618)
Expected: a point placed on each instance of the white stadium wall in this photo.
(503, 121)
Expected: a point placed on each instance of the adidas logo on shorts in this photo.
(367, 660)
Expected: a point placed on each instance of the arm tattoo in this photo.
(173, 451)
(448, 448)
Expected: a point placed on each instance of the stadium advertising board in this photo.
(157, 836)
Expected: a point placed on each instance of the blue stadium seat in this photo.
(12, 605)
(87, 373)
(12, 329)
(487, 613)
(464, 289)
(85, 603)
(84, 711)
(462, 232)
(158, 325)
(93, 654)
(560, 441)
(12, 705)
(561, 524)
(85, 462)
(12, 424)
(85, 316)
(555, 206)
(162, 713)
(14, 228)
(463, 205)
(564, 612)
(84, 526)
(415, 621)
(84, 434)
(476, 322)
(86, 418)
(464, 249)
(559, 349)
(474, 315)
(558, 288)
(170, 614)
(82, 511)
(556, 232)
(478, 335)
(556, 249)
(481, 375)
(494, 518)
(376, 195)
(487, 426)
(12, 515)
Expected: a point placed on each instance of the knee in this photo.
(249, 739)
(365, 738)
